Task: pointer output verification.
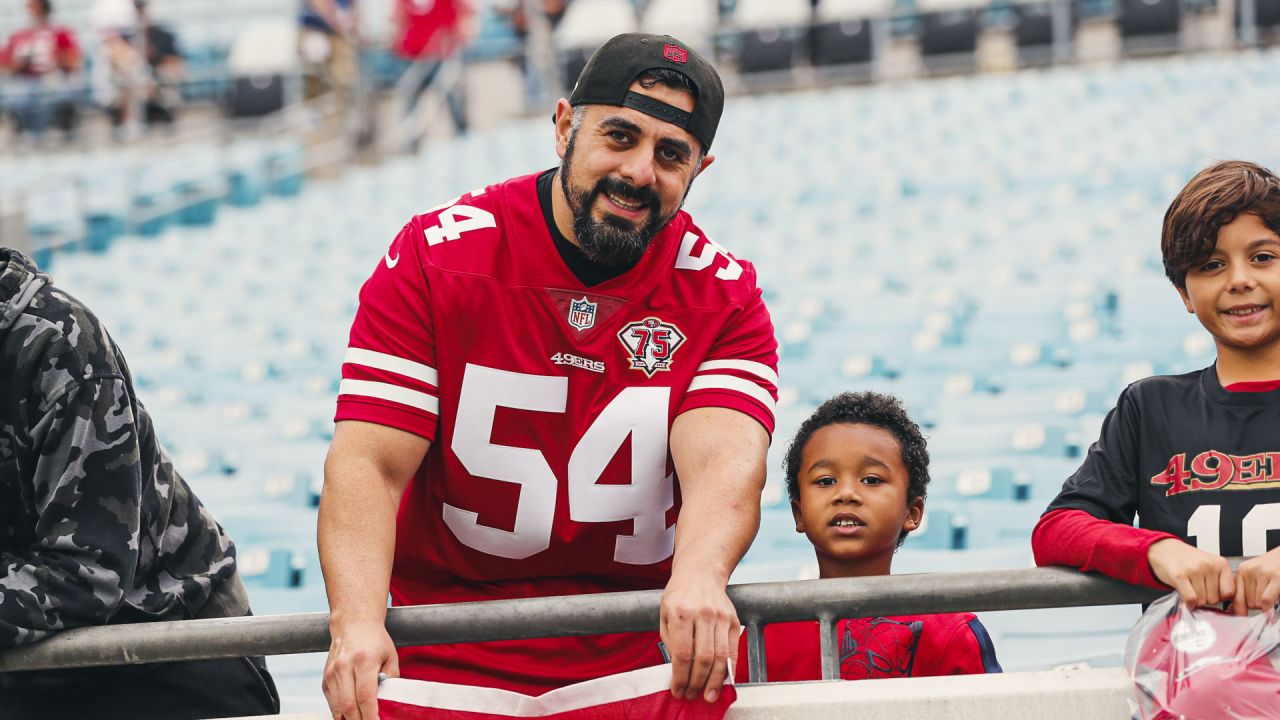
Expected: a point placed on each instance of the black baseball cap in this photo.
(607, 78)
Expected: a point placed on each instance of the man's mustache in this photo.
(627, 191)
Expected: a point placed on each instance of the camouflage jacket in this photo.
(96, 526)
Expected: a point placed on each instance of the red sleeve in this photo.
(966, 648)
(389, 373)
(1077, 539)
(7, 49)
(741, 370)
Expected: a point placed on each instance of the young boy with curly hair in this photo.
(857, 474)
(1195, 457)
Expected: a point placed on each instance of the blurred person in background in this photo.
(514, 12)
(328, 49)
(116, 66)
(96, 525)
(150, 53)
(327, 38)
(44, 62)
(429, 32)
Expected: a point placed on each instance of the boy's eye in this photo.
(872, 480)
(825, 481)
(1211, 266)
(1264, 256)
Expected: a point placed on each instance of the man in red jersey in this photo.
(44, 61)
(544, 376)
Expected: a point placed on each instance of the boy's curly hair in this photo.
(865, 408)
(1214, 197)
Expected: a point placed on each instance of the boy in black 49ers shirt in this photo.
(1196, 457)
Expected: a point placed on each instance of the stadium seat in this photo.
(1267, 13)
(1266, 16)
(944, 527)
(843, 31)
(1146, 18)
(270, 567)
(1045, 639)
(1035, 32)
(692, 21)
(263, 56)
(979, 481)
(772, 34)
(949, 31)
(954, 442)
(586, 25)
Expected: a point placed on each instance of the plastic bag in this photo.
(1203, 664)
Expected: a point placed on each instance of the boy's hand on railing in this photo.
(1257, 583)
(700, 628)
(358, 651)
(1201, 578)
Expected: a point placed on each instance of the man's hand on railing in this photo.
(700, 628)
(358, 651)
(1257, 583)
(1201, 578)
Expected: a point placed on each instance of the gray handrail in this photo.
(757, 605)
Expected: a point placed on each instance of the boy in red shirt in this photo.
(1197, 456)
(857, 474)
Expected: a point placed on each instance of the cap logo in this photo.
(675, 53)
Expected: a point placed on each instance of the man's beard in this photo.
(612, 241)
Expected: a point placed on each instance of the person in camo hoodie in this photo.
(96, 525)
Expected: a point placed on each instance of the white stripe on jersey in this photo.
(598, 694)
(760, 370)
(394, 393)
(391, 363)
(736, 384)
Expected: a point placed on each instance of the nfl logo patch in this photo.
(582, 313)
(675, 53)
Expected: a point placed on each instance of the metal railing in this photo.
(757, 605)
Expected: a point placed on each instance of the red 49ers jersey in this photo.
(548, 405)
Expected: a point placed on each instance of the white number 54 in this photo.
(638, 412)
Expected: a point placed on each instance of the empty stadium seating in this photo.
(985, 247)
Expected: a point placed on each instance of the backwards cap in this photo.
(607, 78)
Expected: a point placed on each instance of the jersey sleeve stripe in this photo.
(391, 363)
(735, 384)
(760, 370)
(394, 393)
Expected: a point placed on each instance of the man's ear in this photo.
(915, 513)
(564, 126)
(795, 513)
(1186, 299)
(706, 163)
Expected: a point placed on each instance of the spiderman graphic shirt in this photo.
(880, 647)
